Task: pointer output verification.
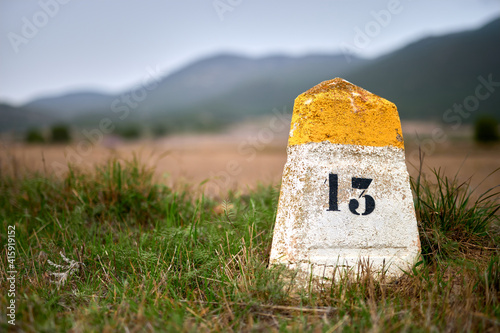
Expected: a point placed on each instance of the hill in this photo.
(251, 89)
(68, 106)
(18, 118)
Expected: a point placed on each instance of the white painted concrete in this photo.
(309, 237)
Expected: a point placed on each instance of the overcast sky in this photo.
(56, 46)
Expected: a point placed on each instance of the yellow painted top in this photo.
(342, 113)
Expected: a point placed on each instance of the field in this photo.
(174, 235)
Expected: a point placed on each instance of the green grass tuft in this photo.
(453, 218)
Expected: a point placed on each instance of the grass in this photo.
(110, 250)
(454, 219)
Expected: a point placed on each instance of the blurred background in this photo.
(204, 90)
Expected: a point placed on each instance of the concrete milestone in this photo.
(345, 194)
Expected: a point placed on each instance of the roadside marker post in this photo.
(345, 194)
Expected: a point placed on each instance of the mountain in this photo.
(424, 79)
(428, 77)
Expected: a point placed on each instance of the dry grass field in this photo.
(247, 155)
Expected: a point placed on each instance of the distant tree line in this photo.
(485, 131)
(59, 133)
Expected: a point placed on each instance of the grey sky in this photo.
(112, 45)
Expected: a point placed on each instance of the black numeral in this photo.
(362, 184)
(333, 204)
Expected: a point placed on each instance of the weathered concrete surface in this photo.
(342, 130)
(340, 112)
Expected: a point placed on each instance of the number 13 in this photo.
(357, 183)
